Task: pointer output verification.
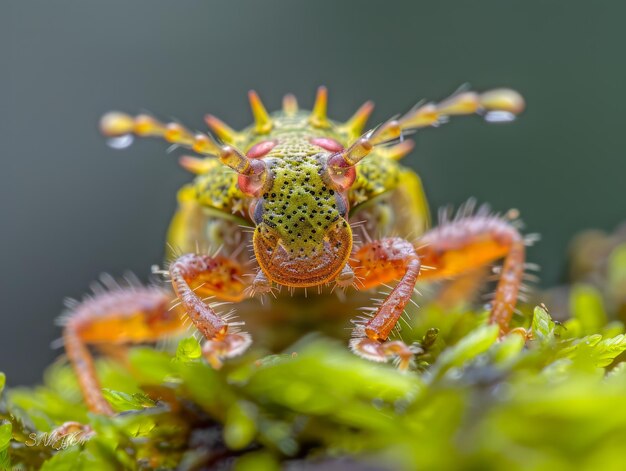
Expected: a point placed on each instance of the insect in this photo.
(298, 201)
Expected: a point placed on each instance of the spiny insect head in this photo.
(296, 172)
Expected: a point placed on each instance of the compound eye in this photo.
(257, 212)
(342, 205)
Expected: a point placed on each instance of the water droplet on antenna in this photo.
(120, 142)
(499, 117)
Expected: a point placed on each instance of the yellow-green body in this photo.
(386, 198)
(298, 201)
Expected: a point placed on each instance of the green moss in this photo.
(472, 401)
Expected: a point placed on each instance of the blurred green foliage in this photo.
(554, 401)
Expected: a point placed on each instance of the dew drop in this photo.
(499, 117)
(120, 142)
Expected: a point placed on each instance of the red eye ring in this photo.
(327, 143)
(260, 149)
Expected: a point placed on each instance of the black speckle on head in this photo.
(300, 201)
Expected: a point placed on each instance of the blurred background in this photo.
(72, 208)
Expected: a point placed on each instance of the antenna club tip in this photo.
(503, 99)
(115, 123)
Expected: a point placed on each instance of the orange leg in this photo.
(456, 248)
(83, 365)
(461, 289)
(136, 314)
(130, 314)
(373, 264)
(195, 274)
(461, 246)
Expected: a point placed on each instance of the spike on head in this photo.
(355, 125)
(262, 120)
(221, 129)
(290, 104)
(318, 117)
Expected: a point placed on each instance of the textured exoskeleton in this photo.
(297, 200)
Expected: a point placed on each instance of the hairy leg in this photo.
(461, 289)
(459, 248)
(129, 314)
(192, 275)
(134, 314)
(466, 244)
(373, 264)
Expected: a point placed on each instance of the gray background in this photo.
(72, 208)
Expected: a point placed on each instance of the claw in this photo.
(524, 333)
(384, 351)
(229, 346)
(261, 284)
